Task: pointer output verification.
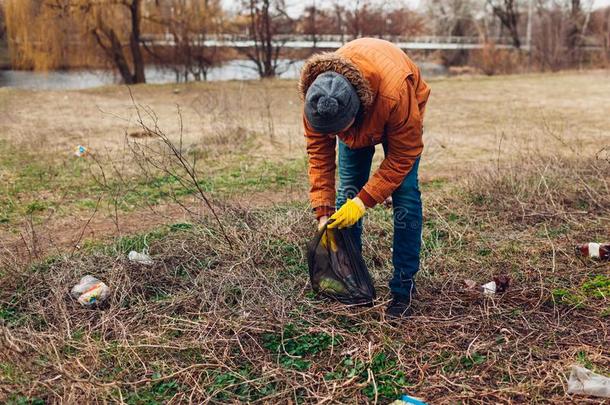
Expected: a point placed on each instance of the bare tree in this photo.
(508, 14)
(403, 21)
(548, 36)
(354, 20)
(560, 31)
(103, 21)
(318, 21)
(600, 29)
(310, 26)
(578, 17)
(454, 18)
(189, 23)
(339, 15)
(266, 20)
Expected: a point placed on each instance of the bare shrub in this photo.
(171, 159)
(535, 187)
(211, 322)
(491, 60)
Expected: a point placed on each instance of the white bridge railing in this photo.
(332, 41)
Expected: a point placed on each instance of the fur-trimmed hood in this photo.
(332, 61)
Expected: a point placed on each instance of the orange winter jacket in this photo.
(393, 98)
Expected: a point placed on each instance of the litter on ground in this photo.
(141, 258)
(599, 251)
(499, 284)
(90, 291)
(408, 400)
(489, 288)
(585, 382)
(81, 151)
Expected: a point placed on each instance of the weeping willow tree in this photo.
(36, 34)
(52, 34)
(2, 26)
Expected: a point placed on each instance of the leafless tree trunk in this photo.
(135, 9)
(310, 23)
(339, 11)
(265, 20)
(109, 40)
(506, 11)
(453, 18)
(355, 23)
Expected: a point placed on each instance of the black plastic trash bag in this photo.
(337, 270)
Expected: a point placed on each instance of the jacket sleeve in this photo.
(321, 170)
(422, 92)
(404, 146)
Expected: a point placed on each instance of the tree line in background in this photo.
(55, 34)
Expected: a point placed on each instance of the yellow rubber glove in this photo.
(328, 236)
(348, 214)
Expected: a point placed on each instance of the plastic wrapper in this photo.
(90, 291)
(337, 270)
(81, 151)
(586, 382)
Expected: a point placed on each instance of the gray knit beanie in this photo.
(331, 103)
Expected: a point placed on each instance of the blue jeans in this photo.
(354, 171)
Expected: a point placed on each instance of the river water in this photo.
(83, 79)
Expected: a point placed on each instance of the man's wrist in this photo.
(359, 203)
(324, 211)
(369, 202)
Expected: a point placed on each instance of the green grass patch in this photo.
(434, 236)
(598, 287)
(474, 359)
(565, 297)
(9, 372)
(23, 400)
(583, 359)
(293, 345)
(553, 232)
(259, 176)
(9, 314)
(484, 252)
(34, 183)
(138, 242)
(242, 385)
(154, 393)
(450, 362)
(390, 381)
(290, 252)
(434, 184)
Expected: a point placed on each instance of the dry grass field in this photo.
(515, 173)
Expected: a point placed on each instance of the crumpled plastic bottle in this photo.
(142, 258)
(90, 291)
(599, 251)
